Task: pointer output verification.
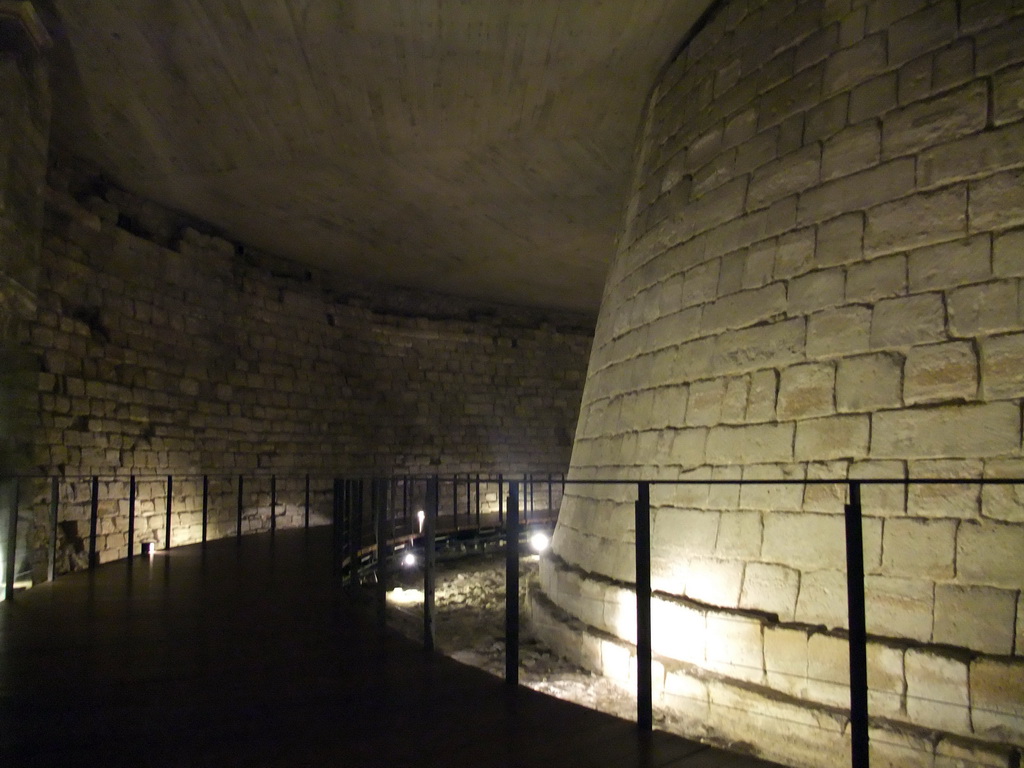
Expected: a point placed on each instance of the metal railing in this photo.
(370, 525)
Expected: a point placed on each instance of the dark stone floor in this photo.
(249, 654)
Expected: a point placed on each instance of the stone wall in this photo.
(819, 277)
(24, 139)
(162, 350)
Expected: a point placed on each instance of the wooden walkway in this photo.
(247, 654)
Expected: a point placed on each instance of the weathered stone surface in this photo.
(937, 692)
(869, 382)
(1008, 254)
(950, 265)
(921, 219)
(806, 390)
(989, 553)
(840, 239)
(898, 607)
(832, 437)
(953, 431)
(979, 618)
(997, 201)
(807, 541)
(739, 535)
(785, 659)
(828, 669)
(770, 588)
(940, 372)
(1008, 95)
(908, 321)
(837, 332)
(822, 598)
(928, 123)
(886, 679)
(1002, 366)
(940, 500)
(851, 150)
(1004, 502)
(816, 291)
(877, 279)
(919, 548)
(983, 309)
(756, 443)
(997, 706)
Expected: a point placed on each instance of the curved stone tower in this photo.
(819, 277)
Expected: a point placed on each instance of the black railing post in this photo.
(378, 506)
(455, 501)
(273, 504)
(644, 693)
(132, 492)
(241, 502)
(354, 499)
(206, 505)
(429, 560)
(478, 500)
(551, 493)
(512, 587)
(51, 566)
(94, 520)
(501, 500)
(858, 630)
(167, 521)
(336, 532)
(305, 505)
(12, 543)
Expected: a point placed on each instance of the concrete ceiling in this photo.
(473, 147)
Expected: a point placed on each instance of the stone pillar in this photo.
(24, 143)
(819, 277)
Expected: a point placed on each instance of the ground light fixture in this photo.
(409, 560)
(539, 541)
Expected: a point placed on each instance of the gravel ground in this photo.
(470, 627)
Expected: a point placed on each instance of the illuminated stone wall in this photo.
(161, 350)
(819, 276)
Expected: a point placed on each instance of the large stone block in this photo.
(960, 500)
(839, 240)
(851, 150)
(739, 535)
(919, 548)
(886, 680)
(832, 437)
(953, 431)
(1008, 254)
(979, 618)
(855, 64)
(972, 156)
(836, 332)
(924, 124)
(785, 659)
(988, 552)
(997, 202)
(877, 279)
(937, 691)
(908, 321)
(759, 443)
(1004, 502)
(735, 646)
(1008, 95)
(715, 582)
(806, 390)
(983, 309)
(770, 588)
(997, 702)
(1002, 366)
(940, 372)
(869, 382)
(828, 669)
(899, 607)
(765, 346)
(950, 265)
(805, 541)
(792, 173)
(786, 495)
(857, 192)
(921, 219)
(816, 291)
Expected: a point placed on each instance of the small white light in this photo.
(421, 516)
(539, 541)
(409, 560)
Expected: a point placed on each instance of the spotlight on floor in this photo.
(409, 560)
(539, 541)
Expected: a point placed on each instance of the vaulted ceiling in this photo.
(474, 147)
